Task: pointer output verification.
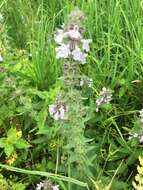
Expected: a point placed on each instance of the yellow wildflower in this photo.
(12, 159)
(19, 133)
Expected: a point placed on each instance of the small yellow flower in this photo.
(12, 159)
(19, 133)
(53, 145)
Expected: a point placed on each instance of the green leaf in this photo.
(2, 142)
(122, 91)
(11, 135)
(8, 149)
(42, 118)
(18, 186)
(22, 144)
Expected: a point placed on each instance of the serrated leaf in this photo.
(22, 144)
(8, 149)
(2, 142)
(11, 135)
(42, 118)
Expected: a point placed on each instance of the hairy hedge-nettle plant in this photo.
(137, 132)
(47, 185)
(105, 96)
(69, 109)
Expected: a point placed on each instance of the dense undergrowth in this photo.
(66, 125)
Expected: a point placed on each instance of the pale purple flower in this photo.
(74, 33)
(59, 36)
(85, 44)
(63, 51)
(105, 96)
(62, 112)
(141, 115)
(78, 55)
(55, 187)
(1, 58)
(57, 112)
(56, 116)
(40, 186)
(87, 82)
(52, 109)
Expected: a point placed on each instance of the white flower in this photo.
(59, 36)
(55, 187)
(73, 33)
(97, 109)
(81, 82)
(104, 89)
(39, 186)
(90, 83)
(141, 115)
(1, 58)
(78, 55)
(141, 139)
(132, 135)
(137, 136)
(52, 109)
(63, 25)
(63, 51)
(85, 44)
(141, 112)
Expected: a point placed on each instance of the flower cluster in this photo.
(40, 186)
(88, 82)
(19, 133)
(138, 135)
(71, 44)
(43, 185)
(12, 158)
(55, 187)
(132, 135)
(105, 96)
(57, 111)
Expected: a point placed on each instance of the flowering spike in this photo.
(105, 96)
(70, 40)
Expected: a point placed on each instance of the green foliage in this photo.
(139, 176)
(7, 184)
(11, 142)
